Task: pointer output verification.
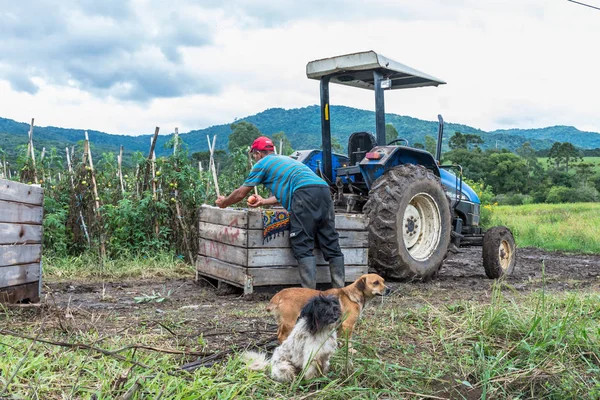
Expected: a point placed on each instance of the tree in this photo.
(458, 141)
(287, 146)
(554, 155)
(204, 157)
(568, 152)
(419, 146)
(475, 140)
(430, 144)
(584, 172)
(475, 164)
(509, 174)
(391, 133)
(336, 146)
(242, 135)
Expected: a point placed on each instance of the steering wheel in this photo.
(398, 140)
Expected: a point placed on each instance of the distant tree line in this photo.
(519, 177)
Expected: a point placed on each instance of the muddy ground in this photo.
(196, 314)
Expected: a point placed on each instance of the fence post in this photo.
(96, 197)
(83, 225)
(31, 151)
(119, 162)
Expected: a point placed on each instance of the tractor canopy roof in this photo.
(357, 70)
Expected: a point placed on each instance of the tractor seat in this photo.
(359, 144)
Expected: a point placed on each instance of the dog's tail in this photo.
(255, 361)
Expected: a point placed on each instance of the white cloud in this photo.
(193, 64)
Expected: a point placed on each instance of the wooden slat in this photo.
(21, 193)
(218, 269)
(20, 233)
(255, 219)
(284, 257)
(20, 213)
(347, 239)
(252, 219)
(19, 274)
(353, 239)
(289, 275)
(20, 254)
(224, 234)
(224, 252)
(14, 294)
(351, 222)
(224, 216)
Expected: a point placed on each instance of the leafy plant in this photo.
(155, 297)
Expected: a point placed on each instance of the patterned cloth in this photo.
(275, 223)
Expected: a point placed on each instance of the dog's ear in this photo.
(310, 313)
(361, 284)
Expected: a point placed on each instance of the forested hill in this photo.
(302, 126)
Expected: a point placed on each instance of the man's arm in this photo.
(271, 201)
(236, 196)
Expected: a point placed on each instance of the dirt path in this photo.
(191, 312)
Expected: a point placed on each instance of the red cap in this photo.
(262, 144)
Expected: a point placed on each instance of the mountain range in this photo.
(301, 125)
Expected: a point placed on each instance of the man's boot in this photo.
(338, 272)
(307, 267)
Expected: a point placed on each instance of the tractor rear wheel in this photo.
(409, 223)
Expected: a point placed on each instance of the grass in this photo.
(537, 345)
(590, 160)
(573, 227)
(89, 267)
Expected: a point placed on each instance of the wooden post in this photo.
(95, 191)
(91, 162)
(119, 162)
(250, 169)
(137, 182)
(70, 169)
(32, 150)
(152, 145)
(212, 163)
(44, 179)
(152, 163)
(175, 140)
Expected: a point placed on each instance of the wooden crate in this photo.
(20, 241)
(232, 250)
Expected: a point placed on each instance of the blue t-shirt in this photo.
(282, 175)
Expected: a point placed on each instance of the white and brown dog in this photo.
(308, 347)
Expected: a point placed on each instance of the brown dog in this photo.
(285, 306)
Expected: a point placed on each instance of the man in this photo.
(308, 200)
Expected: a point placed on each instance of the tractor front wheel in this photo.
(498, 252)
(409, 223)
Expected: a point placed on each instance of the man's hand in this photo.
(221, 202)
(255, 201)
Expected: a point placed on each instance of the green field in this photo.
(590, 160)
(459, 339)
(420, 344)
(566, 227)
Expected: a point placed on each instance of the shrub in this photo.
(562, 194)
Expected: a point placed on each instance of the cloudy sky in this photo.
(126, 66)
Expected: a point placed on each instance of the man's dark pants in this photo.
(312, 217)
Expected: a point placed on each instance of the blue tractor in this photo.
(418, 210)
